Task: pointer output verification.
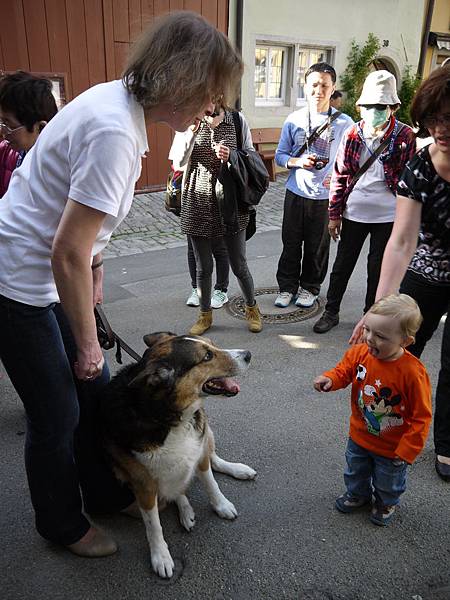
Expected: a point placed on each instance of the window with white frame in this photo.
(307, 56)
(270, 74)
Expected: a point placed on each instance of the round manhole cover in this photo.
(269, 312)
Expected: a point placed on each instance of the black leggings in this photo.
(204, 258)
(434, 303)
(220, 254)
(353, 236)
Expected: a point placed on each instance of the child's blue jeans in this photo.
(368, 473)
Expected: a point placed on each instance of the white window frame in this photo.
(268, 101)
(330, 50)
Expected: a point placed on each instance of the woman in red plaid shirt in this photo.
(362, 201)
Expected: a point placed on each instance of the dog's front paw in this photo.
(187, 517)
(225, 509)
(162, 562)
(242, 471)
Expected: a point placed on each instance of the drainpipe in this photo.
(426, 33)
(239, 21)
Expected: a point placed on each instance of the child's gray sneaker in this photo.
(382, 514)
(348, 504)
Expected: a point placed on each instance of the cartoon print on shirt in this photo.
(361, 372)
(378, 412)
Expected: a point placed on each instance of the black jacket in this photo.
(245, 180)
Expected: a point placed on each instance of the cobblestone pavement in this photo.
(149, 226)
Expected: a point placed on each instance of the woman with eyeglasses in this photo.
(417, 255)
(73, 189)
(26, 106)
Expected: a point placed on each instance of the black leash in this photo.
(109, 338)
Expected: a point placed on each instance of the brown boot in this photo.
(94, 544)
(204, 322)
(253, 317)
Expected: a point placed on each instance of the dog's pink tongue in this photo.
(230, 385)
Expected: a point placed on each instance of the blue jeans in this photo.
(62, 453)
(368, 473)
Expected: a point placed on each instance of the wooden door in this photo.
(80, 43)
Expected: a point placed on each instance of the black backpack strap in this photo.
(372, 158)
(238, 128)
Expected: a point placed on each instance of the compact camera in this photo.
(320, 162)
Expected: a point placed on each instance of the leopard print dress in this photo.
(200, 215)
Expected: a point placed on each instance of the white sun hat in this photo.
(379, 87)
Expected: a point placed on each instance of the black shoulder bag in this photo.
(251, 227)
(256, 175)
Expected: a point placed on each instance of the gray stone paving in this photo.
(149, 226)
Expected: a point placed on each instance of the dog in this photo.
(155, 430)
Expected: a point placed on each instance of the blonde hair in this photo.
(183, 59)
(401, 307)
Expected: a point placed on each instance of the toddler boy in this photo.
(391, 407)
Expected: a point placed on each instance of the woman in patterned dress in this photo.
(201, 150)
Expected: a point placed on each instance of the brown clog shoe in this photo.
(94, 544)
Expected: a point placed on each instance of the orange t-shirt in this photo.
(391, 402)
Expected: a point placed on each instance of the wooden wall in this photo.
(87, 41)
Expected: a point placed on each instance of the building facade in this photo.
(281, 39)
(438, 41)
(79, 43)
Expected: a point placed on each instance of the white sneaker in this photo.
(283, 299)
(193, 298)
(305, 299)
(218, 299)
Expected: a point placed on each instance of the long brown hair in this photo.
(430, 98)
(183, 59)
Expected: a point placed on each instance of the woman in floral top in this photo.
(423, 267)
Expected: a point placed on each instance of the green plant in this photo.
(358, 67)
(410, 83)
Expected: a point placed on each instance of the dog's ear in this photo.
(155, 338)
(154, 375)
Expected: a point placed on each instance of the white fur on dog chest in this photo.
(173, 464)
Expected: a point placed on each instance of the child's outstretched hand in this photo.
(322, 383)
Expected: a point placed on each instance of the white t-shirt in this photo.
(371, 200)
(89, 152)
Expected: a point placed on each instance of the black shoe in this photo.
(442, 469)
(326, 322)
